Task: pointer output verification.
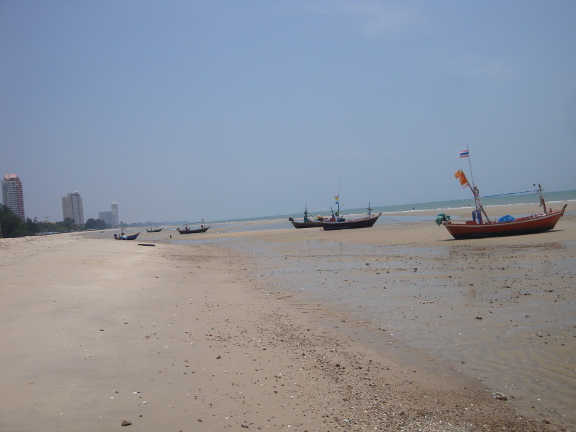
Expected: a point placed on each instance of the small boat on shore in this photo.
(188, 230)
(504, 226)
(337, 222)
(526, 225)
(366, 222)
(152, 230)
(307, 223)
(123, 236)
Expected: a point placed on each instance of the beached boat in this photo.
(123, 236)
(188, 230)
(365, 222)
(525, 225)
(151, 230)
(307, 223)
(504, 226)
(337, 222)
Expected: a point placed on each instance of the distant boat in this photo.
(307, 223)
(123, 236)
(151, 230)
(337, 222)
(188, 230)
(505, 226)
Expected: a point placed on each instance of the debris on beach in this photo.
(500, 396)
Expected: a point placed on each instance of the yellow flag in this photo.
(462, 177)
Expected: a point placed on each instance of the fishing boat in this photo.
(188, 230)
(480, 227)
(123, 236)
(307, 223)
(152, 230)
(337, 222)
(365, 222)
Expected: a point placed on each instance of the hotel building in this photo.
(114, 214)
(110, 217)
(72, 208)
(12, 195)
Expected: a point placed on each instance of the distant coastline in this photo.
(529, 198)
(410, 209)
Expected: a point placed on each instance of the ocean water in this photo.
(553, 199)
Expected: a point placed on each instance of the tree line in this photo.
(12, 226)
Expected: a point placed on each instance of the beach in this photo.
(395, 327)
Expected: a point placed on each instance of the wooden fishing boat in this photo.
(152, 230)
(187, 230)
(365, 222)
(505, 226)
(307, 223)
(337, 222)
(123, 236)
(525, 225)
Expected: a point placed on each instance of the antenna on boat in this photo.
(470, 164)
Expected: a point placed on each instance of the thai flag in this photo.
(464, 153)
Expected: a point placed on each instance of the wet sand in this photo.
(287, 330)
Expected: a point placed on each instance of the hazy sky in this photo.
(183, 109)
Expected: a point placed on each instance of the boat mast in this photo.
(369, 210)
(475, 190)
(478, 203)
(542, 202)
(338, 202)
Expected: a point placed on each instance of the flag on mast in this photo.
(462, 177)
(464, 153)
(337, 198)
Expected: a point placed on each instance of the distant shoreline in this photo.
(552, 198)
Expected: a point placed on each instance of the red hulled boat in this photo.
(526, 225)
(506, 226)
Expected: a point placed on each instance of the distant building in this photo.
(12, 195)
(72, 208)
(110, 217)
(106, 217)
(114, 214)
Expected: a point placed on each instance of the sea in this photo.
(410, 212)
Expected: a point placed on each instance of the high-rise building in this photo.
(114, 214)
(72, 208)
(110, 217)
(12, 195)
(106, 217)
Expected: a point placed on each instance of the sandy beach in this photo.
(395, 327)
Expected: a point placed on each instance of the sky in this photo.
(181, 110)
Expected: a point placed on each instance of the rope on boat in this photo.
(511, 193)
(439, 227)
(569, 217)
(415, 241)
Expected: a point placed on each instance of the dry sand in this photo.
(207, 336)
